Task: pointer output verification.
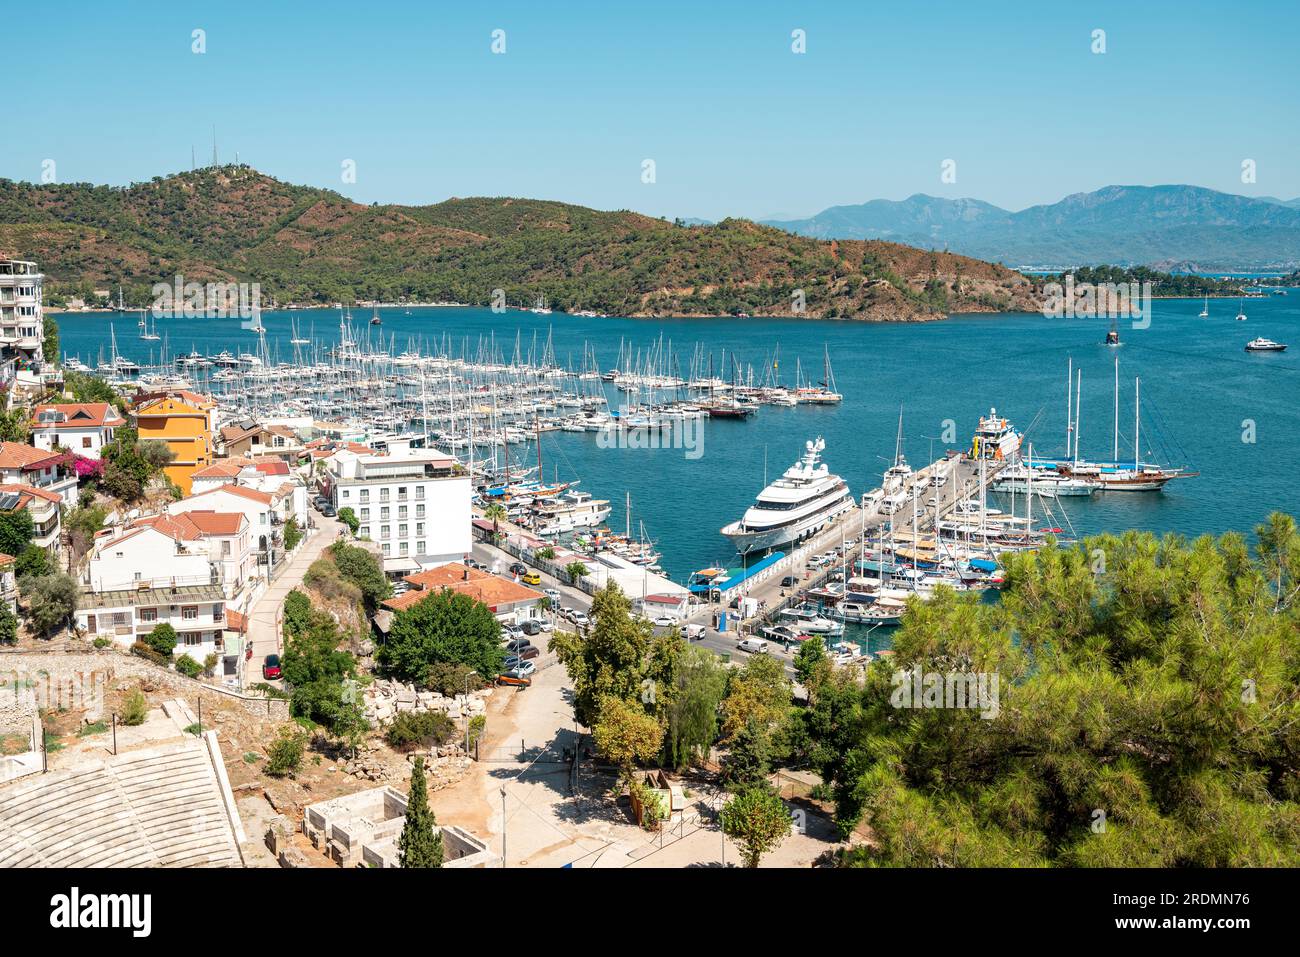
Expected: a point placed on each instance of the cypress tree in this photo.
(421, 842)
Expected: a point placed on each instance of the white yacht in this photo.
(1042, 481)
(569, 512)
(802, 501)
(1265, 345)
(809, 620)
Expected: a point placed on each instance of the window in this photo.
(364, 531)
(419, 511)
(192, 638)
(365, 515)
(347, 494)
(419, 548)
(383, 513)
(402, 548)
(190, 612)
(385, 531)
(225, 548)
(218, 612)
(386, 547)
(419, 528)
(85, 441)
(403, 530)
(401, 511)
(92, 624)
(148, 614)
(365, 496)
(401, 492)
(383, 494)
(419, 492)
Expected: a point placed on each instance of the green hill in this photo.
(304, 244)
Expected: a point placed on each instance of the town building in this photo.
(508, 600)
(251, 438)
(44, 507)
(50, 471)
(414, 505)
(82, 428)
(22, 320)
(183, 420)
(266, 512)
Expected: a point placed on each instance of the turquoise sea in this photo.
(1207, 404)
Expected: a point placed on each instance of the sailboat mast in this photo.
(1137, 425)
(1115, 454)
(1069, 408)
(1078, 402)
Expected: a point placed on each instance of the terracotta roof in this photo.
(248, 493)
(16, 455)
(6, 560)
(284, 430)
(145, 399)
(78, 415)
(26, 493)
(491, 590)
(233, 433)
(223, 470)
(272, 467)
(236, 621)
(188, 526)
(664, 599)
(168, 525)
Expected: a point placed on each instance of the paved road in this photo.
(264, 622)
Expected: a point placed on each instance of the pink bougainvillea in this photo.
(87, 468)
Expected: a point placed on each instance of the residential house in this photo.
(24, 465)
(8, 582)
(189, 571)
(249, 437)
(508, 600)
(183, 420)
(47, 532)
(265, 475)
(415, 505)
(83, 427)
(266, 513)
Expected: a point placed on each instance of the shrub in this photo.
(144, 650)
(162, 639)
(135, 708)
(102, 642)
(195, 729)
(410, 730)
(51, 600)
(98, 727)
(284, 756)
(33, 560)
(325, 578)
(452, 678)
(8, 624)
(349, 518)
(188, 666)
(292, 535)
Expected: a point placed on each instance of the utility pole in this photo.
(503, 826)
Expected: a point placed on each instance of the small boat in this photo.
(1241, 313)
(1112, 337)
(1205, 309)
(1261, 344)
(374, 318)
(808, 619)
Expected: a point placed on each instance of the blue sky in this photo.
(736, 123)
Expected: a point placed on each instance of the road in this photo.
(264, 622)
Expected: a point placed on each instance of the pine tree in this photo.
(421, 842)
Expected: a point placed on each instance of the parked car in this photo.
(328, 510)
(513, 661)
(532, 578)
(789, 581)
(518, 568)
(544, 624)
(755, 646)
(693, 632)
(271, 668)
(531, 627)
(514, 644)
(554, 595)
(580, 619)
(665, 621)
(564, 611)
(524, 669)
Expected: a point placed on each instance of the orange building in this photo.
(183, 420)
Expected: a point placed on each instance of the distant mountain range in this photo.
(1126, 225)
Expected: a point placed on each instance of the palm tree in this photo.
(496, 512)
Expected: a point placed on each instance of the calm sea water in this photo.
(1207, 404)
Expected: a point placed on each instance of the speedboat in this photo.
(810, 620)
(1265, 345)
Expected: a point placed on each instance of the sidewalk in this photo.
(264, 622)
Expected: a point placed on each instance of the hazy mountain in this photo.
(1115, 224)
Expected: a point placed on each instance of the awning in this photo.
(401, 564)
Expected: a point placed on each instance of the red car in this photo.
(271, 667)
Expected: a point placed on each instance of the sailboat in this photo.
(145, 332)
(1205, 309)
(297, 339)
(1112, 337)
(541, 308)
(374, 317)
(1241, 313)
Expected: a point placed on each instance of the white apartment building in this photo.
(415, 505)
(22, 321)
(83, 428)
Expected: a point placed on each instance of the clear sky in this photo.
(735, 122)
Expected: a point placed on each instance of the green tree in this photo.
(619, 657)
(576, 571)
(319, 674)
(15, 425)
(8, 624)
(16, 531)
(188, 666)
(284, 756)
(1157, 688)
(349, 518)
(496, 514)
(759, 692)
(810, 656)
(162, 638)
(135, 709)
(51, 600)
(757, 820)
(626, 734)
(421, 842)
(444, 627)
(33, 560)
(292, 535)
(50, 347)
(362, 569)
(693, 712)
(749, 758)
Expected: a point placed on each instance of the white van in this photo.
(755, 646)
(693, 632)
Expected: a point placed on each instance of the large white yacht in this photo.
(793, 507)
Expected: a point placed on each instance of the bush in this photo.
(410, 730)
(188, 666)
(292, 535)
(51, 600)
(102, 642)
(134, 708)
(284, 756)
(451, 678)
(162, 639)
(143, 650)
(362, 569)
(195, 729)
(33, 561)
(349, 518)
(8, 624)
(325, 578)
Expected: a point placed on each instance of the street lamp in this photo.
(503, 826)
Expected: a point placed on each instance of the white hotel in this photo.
(22, 322)
(414, 504)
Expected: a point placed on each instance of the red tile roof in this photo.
(26, 493)
(248, 493)
(491, 590)
(78, 415)
(16, 455)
